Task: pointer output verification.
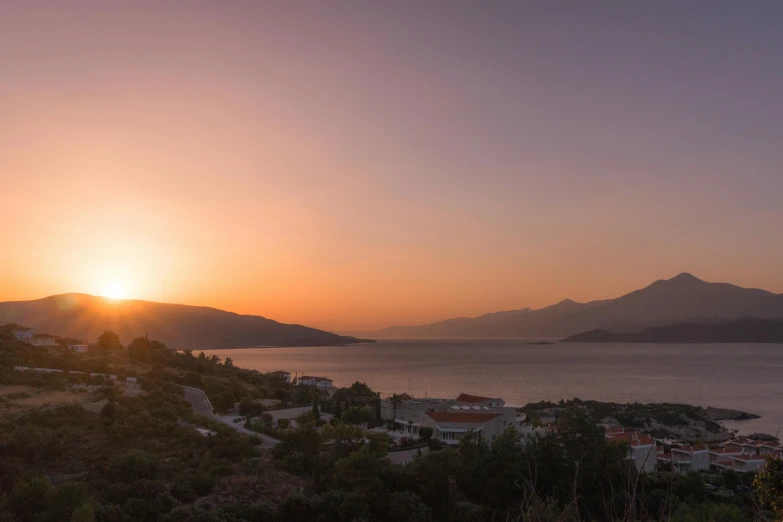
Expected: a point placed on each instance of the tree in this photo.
(358, 415)
(316, 412)
(425, 432)
(229, 362)
(109, 341)
(768, 485)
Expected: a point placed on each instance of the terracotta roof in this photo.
(643, 441)
(464, 397)
(463, 418)
(719, 451)
(749, 457)
(664, 456)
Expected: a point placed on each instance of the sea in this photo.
(747, 377)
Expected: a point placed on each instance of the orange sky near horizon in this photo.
(356, 168)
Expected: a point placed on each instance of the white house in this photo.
(745, 463)
(642, 449)
(322, 383)
(22, 333)
(451, 427)
(285, 376)
(467, 413)
(78, 348)
(44, 340)
(691, 458)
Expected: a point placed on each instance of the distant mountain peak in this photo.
(685, 276)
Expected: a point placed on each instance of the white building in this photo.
(78, 348)
(285, 376)
(22, 333)
(44, 340)
(691, 458)
(322, 383)
(451, 419)
(642, 449)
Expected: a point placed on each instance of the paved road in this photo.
(200, 404)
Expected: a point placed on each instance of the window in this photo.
(448, 435)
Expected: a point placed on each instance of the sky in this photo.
(352, 165)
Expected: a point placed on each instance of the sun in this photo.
(115, 290)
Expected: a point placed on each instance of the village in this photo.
(486, 417)
(447, 421)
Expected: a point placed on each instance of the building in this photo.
(22, 333)
(720, 458)
(285, 376)
(769, 448)
(745, 463)
(78, 348)
(642, 449)
(450, 427)
(43, 340)
(690, 458)
(322, 383)
(476, 400)
(485, 416)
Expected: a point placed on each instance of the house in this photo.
(451, 427)
(285, 376)
(736, 443)
(78, 348)
(751, 447)
(768, 448)
(322, 383)
(745, 463)
(22, 333)
(719, 457)
(44, 340)
(690, 458)
(476, 400)
(642, 449)
(409, 414)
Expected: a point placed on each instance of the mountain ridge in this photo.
(665, 301)
(178, 326)
(745, 330)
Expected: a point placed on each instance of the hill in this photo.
(178, 326)
(684, 298)
(747, 330)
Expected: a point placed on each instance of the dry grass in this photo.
(18, 399)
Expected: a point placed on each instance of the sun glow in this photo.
(115, 290)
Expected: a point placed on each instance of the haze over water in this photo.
(747, 377)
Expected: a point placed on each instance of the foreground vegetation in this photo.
(138, 457)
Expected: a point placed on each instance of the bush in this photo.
(283, 424)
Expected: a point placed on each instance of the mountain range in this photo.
(178, 326)
(684, 298)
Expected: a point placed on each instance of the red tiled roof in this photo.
(725, 450)
(464, 418)
(749, 457)
(665, 456)
(643, 441)
(464, 397)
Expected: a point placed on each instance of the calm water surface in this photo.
(747, 377)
